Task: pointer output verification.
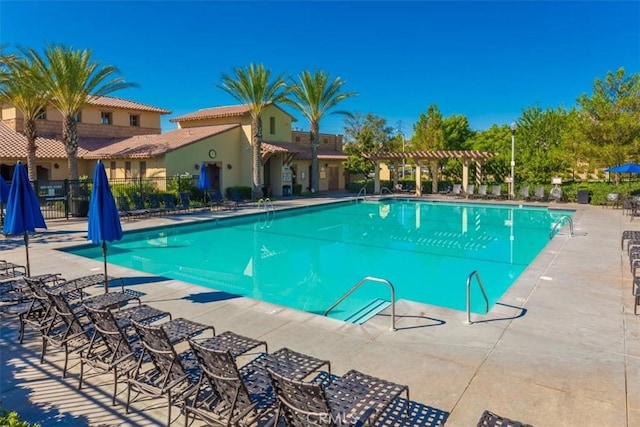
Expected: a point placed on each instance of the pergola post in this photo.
(478, 173)
(465, 174)
(418, 178)
(434, 177)
(395, 176)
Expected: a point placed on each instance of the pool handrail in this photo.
(475, 274)
(266, 205)
(362, 281)
(362, 191)
(559, 223)
(385, 189)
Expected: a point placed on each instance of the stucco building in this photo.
(126, 136)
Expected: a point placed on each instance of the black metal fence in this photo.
(66, 198)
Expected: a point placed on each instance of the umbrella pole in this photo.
(104, 257)
(26, 246)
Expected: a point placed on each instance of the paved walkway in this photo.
(562, 347)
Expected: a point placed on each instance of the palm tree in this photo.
(5, 61)
(73, 79)
(253, 86)
(25, 91)
(314, 96)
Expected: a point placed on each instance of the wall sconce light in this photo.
(196, 166)
(56, 166)
(229, 166)
(326, 165)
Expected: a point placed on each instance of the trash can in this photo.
(286, 190)
(583, 196)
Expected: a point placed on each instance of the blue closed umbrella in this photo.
(104, 219)
(203, 180)
(23, 209)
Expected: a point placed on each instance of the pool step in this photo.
(368, 311)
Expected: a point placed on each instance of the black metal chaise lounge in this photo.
(353, 399)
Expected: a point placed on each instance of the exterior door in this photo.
(334, 180)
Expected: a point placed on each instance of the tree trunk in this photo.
(315, 172)
(435, 169)
(31, 132)
(256, 142)
(70, 140)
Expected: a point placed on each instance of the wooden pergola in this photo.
(431, 158)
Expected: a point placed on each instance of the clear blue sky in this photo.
(485, 60)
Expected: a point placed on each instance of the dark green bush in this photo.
(297, 189)
(245, 192)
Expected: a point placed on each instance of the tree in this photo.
(315, 95)
(496, 139)
(73, 79)
(26, 92)
(609, 120)
(539, 148)
(253, 86)
(428, 134)
(365, 134)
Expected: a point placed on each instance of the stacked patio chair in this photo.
(538, 194)
(456, 191)
(352, 399)
(496, 192)
(524, 193)
(124, 209)
(489, 419)
(469, 190)
(236, 198)
(482, 192)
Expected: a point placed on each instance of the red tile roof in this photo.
(14, 144)
(323, 154)
(108, 101)
(145, 146)
(280, 147)
(215, 112)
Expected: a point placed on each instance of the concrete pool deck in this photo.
(562, 347)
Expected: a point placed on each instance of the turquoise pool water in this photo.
(307, 258)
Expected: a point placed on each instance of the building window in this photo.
(272, 125)
(77, 117)
(297, 139)
(134, 120)
(112, 170)
(127, 170)
(326, 141)
(106, 118)
(42, 114)
(143, 169)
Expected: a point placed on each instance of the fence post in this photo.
(66, 199)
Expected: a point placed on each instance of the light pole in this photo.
(512, 191)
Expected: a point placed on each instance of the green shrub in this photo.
(297, 189)
(12, 419)
(245, 192)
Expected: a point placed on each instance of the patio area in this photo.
(562, 347)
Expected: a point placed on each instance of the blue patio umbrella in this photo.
(203, 180)
(4, 196)
(23, 209)
(104, 219)
(626, 168)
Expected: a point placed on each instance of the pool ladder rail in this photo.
(363, 192)
(484, 295)
(266, 206)
(362, 282)
(559, 223)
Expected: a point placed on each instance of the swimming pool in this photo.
(306, 258)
